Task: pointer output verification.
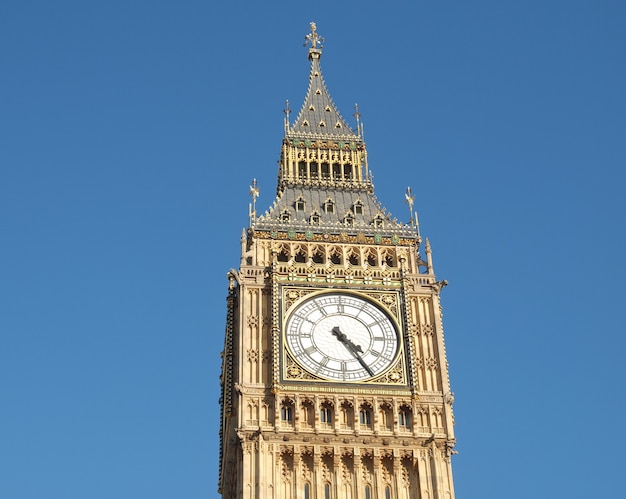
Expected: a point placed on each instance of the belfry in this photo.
(334, 374)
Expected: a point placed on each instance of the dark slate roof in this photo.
(318, 115)
(315, 198)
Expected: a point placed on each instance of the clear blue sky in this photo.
(129, 133)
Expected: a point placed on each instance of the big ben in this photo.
(334, 373)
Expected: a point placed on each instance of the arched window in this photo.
(307, 490)
(283, 256)
(327, 491)
(335, 258)
(300, 257)
(346, 416)
(353, 258)
(386, 417)
(326, 415)
(368, 492)
(387, 492)
(365, 416)
(286, 412)
(318, 257)
(404, 418)
(308, 412)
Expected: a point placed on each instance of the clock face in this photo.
(341, 337)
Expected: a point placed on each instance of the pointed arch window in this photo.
(378, 221)
(353, 258)
(357, 207)
(315, 218)
(349, 220)
(283, 256)
(284, 216)
(318, 256)
(371, 260)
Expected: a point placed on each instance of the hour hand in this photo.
(352, 348)
(344, 339)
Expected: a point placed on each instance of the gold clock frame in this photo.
(389, 301)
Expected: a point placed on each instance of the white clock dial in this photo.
(341, 337)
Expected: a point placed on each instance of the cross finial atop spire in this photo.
(313, 38)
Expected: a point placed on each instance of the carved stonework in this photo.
(321, 398)
(286, 465)
(253, 355)
(426, 329)
(367, 468)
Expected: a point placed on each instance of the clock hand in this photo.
(352, 348)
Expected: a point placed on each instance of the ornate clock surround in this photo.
(291, 371)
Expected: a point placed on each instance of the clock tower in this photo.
(334, 373)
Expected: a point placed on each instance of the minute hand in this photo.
(352, 348)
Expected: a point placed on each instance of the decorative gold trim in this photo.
(389, 301)
(333, 238)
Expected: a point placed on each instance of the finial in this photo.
(357, 116)
(313, 38)
(409, 198)
(254, 192)
(429, 258)
(287, 111)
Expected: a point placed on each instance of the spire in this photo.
(319, 116)
(324, 183)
